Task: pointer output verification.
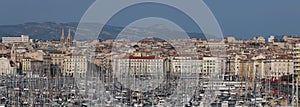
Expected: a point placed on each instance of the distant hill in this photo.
(52, 31)
(43, 31)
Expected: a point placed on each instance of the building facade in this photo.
(186, 65)
(213, 65)
(26, 65)
(147, 65)
(57, 59)
(296, 57)
(23, 38)
(6, 67)
(75, 64)
(279, 67)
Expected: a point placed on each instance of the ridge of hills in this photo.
(52, 30)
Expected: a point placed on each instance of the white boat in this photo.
(161, 103)
(138, 105)
(222, 85)
(225, 104)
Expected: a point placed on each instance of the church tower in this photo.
(69, 38)
(62, 38)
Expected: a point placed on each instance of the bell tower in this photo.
(69, 38)
(62, 38)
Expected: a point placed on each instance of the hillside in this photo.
(52, 31)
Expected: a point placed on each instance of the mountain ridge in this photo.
(52, 30)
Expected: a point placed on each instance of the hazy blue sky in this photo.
(242, 18)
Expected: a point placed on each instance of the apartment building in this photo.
(134, 65)
(75, 64)
(23, 38)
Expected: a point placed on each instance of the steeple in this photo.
(62, 38)
(69, 40)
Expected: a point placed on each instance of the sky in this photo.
(241, 18)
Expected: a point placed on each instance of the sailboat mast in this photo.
(297, 89)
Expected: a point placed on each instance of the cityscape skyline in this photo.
(258, 69)
(237, 18)
(149, 53)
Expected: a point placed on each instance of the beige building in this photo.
(246, 71)
(32, 66)
(259, 39)
(6, 67)
(251, 69)
(26, 65)
(231, 39)
(3, 50)
(233, 65)
(37, 55)
(57, 59)
(75, 64)
(280, 66)
(290, 39)
(17, 53)
(260, 67)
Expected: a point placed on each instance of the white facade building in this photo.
(271, 38)
(23, 38)
(185, 65)
(213, 65)
(147, 65)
